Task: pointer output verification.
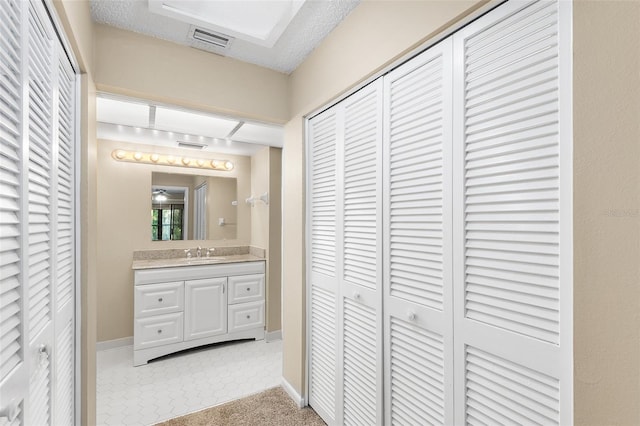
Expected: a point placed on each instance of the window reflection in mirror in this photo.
(168, 210)
(196, 207)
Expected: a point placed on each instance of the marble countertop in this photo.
(183, 261)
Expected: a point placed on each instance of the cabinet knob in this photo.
(159, 331)
(248, 288)
(160, 299)
(248, 316)
(412, 316)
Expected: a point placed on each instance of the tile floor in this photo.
(183, 383)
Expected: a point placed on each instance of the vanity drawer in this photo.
(246, 316)
(158, 330)
(157, 299)
(246, 288)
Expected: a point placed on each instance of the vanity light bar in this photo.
(171, 160)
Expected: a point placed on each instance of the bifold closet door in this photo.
(324, 270)
(417, 240)
(345, 368)
(37, 235)
(512, 216)
(360, 319)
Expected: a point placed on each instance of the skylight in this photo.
(192, 123)
(124, 113)
(261, 22)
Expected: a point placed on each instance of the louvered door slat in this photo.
(360, 171)
(40, 175)
(509, 160)
(11, 301)
(40, 394)
(523, 395)
(534, 163)
(415, 168)
(64, 279)
(360, 364)
(323, 352)
(65, 364)
(416, 397)
(323, 197)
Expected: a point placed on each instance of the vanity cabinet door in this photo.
(205, 308)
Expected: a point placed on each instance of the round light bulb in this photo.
(214, 164)
(171, 159)
(228, 165)
(137, 156)
(155, 158)
(120, 154)
(186, 161)
(200, 162)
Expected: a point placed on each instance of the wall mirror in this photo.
(193, 207)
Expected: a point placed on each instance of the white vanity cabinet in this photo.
(183, 307)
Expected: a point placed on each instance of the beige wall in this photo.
(136, 65)
(274, 292)
(355, 50)
(75, 18)
(264, 223)
(123, 191)
(606, 113)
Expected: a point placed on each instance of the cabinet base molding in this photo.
(293, 394)
(142, 356)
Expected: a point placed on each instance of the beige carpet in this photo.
(271, 407)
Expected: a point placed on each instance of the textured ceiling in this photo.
(311, 25)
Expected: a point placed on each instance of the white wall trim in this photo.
(293, 394)
(272, 336)
(113, 344)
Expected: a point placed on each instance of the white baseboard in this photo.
(272, 336)
(293, 394)
(113, 344)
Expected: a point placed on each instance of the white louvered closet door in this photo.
(361, 242)
(37, 192)
(64, 290)
(512, 247)
(417, 240)
(13, 371)
(324, 264)
(39, 216)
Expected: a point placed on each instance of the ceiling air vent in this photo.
(192, 145)
(210, 38)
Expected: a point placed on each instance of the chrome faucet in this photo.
(210, 251)
(199, 252)
(187, 253)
